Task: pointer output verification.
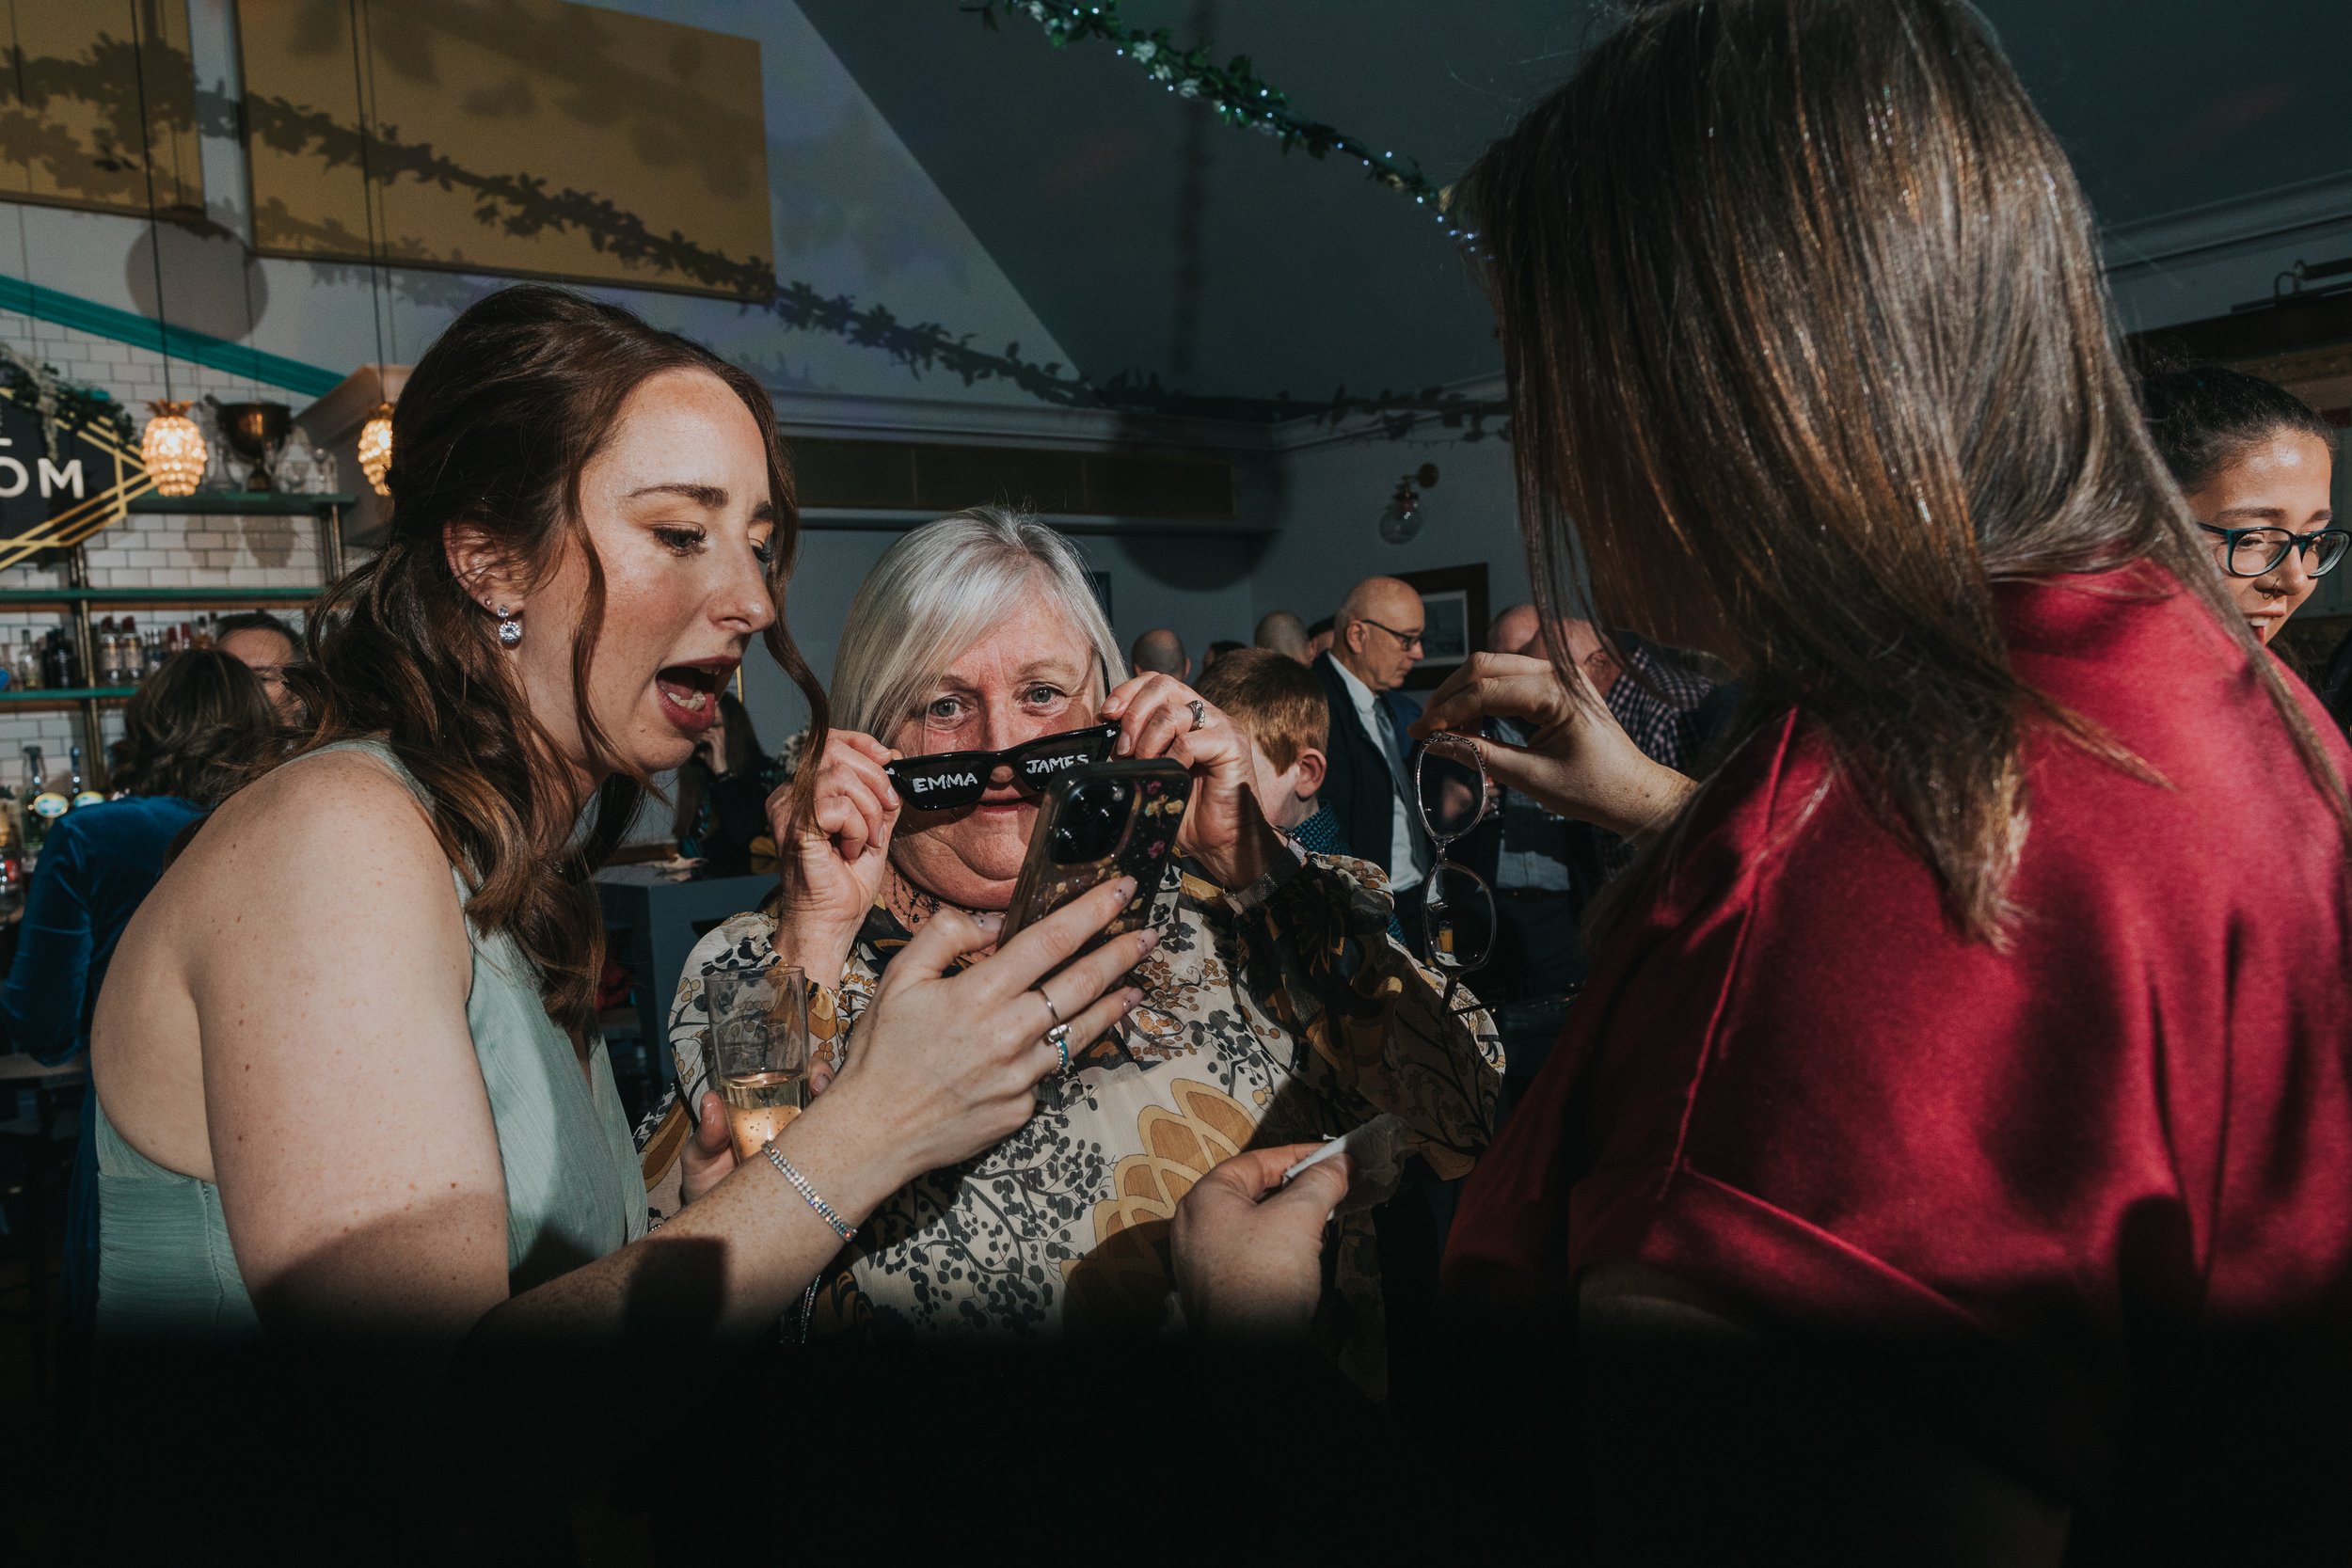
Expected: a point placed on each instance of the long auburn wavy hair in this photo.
(493, 430)
(1808, 348)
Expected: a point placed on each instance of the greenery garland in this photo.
(57, 401)
(1234, 90)
(525, 205)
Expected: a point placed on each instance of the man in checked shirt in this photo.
(1547, 869)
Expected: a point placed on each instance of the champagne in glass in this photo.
(759, 1106)
(758, 1050)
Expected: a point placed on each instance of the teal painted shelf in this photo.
(65, 694)
(124, 596)
(239, 504)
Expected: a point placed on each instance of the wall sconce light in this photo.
(1406, 510)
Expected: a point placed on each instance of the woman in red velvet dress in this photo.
(1956, 1129)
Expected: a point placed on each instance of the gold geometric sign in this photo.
(46, 502)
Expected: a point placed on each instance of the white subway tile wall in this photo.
(144, 551)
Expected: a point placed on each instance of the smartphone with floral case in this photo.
(1095, 823)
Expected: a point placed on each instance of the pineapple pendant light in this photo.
(375, 436)
(173, 449)
(375, 447)
(171, 446)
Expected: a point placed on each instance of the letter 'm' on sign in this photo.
(54, 479)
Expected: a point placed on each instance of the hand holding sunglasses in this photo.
(1577, 760)
(837, 857)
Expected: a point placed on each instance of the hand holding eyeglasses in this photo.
(1225, 831)
(1578, 762)
(838, 856)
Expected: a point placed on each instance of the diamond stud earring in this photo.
(510, 626)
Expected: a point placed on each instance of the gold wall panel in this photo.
(533, 137)
(70, 104)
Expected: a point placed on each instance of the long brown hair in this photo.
(494, 428)
(1805, 329)
(197, 728)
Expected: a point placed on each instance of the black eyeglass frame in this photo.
(1406, 640)
(2312, 542)
(983, 766)
(1452, 745)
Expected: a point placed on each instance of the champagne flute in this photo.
(758, 1050)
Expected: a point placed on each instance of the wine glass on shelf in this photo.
(220, 470)
(291, 472)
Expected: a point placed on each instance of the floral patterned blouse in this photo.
(1280, 1014)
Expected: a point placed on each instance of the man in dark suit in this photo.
(1376, 641)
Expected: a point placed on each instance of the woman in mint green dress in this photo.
(347, 1067)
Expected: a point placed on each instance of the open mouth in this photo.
(691, 690)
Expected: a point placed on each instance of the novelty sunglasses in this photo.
(949, 781)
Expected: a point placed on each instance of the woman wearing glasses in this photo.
(1272, 1007)
(2255, 463)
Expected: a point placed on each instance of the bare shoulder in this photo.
(342, 805)
(318, 890)
(323, 849)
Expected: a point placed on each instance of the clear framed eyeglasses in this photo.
(1458, 910)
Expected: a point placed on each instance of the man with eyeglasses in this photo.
(1375, 641)
(266, 646)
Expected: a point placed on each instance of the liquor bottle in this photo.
(102, 648)
(151, 653)
(42, 804)
(26, 666)
(187, 634)
(11, 857)
(81, 795)
(127, 654)
(57, 662)
(204, 631)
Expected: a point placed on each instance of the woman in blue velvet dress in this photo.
(195, 732)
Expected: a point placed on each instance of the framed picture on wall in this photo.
(1454, 620)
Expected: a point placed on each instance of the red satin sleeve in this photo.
(1794, 1084)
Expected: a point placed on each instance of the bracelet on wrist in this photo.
(825, 1211)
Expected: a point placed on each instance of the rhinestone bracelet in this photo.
(799, 1184)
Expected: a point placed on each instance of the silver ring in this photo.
(1058, 1038)
(1049, 1004)
(1200, 713)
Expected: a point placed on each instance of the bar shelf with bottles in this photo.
(51, 670)
(27, 813)
(80, 597)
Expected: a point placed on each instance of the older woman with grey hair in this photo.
(1273, 1008)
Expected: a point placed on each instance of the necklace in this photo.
(910, 904)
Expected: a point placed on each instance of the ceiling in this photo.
(1151, 239)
